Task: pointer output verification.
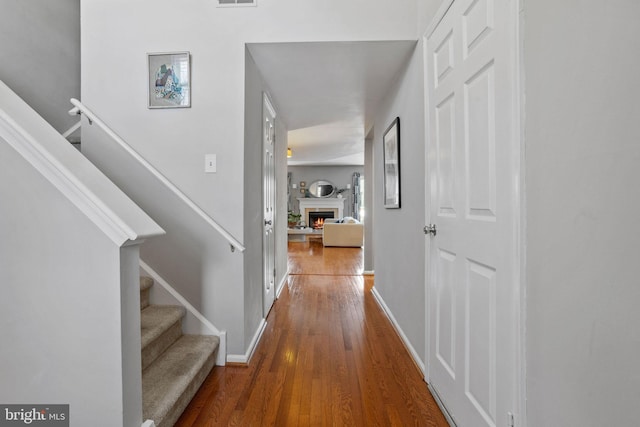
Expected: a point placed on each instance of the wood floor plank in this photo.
(328, 357)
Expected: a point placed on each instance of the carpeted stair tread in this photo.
(145, 285)
(169, 384)
(156, 319)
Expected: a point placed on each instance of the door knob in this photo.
(267, 222)
(430, 229)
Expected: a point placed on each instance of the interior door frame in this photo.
(267, 107)
(518, 114)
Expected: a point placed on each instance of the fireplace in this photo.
(316, 219)
(309, 205)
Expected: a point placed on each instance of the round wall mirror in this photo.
(321, 188)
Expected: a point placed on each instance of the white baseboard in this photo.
(280, 286)
(194, 322)
(245, 358)
(396, 326)
(368, 273)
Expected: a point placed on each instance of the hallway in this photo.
(328, 356)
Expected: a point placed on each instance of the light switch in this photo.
(210, 163)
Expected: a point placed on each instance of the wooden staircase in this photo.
(174, 365)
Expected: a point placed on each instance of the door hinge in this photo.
(511, 421)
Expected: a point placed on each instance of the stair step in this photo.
(145, 285)
(169, 384)
(161, 326)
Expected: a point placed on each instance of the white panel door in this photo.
(269, 202)
(473, 168)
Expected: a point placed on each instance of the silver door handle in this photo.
(430, 229)
(267, 222)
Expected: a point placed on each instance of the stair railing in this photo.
(80, 108)
(72, 129)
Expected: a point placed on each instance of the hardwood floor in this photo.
(311, 258)
(328, 357)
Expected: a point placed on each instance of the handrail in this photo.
(81, 108)
(82, 184)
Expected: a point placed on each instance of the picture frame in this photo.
(169, 80)
(391, 165)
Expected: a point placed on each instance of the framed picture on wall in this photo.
(391, 165)
(169, 80)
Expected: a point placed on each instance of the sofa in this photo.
(346, 232)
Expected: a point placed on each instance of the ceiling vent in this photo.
(236, 3)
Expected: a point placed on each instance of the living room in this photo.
(334, 194)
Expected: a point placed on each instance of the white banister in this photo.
(81, 183)
(81, 108)
(72, 129)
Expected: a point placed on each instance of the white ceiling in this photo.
(328, 93)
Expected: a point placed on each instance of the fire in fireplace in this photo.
(316, 219)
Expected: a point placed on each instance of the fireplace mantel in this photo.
(320, 204)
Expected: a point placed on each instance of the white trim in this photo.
(368, 273)
(427, 194)
(64, 180)
(221, 357)
(396, 326)
(442, 10)
(192, 310)
(280, 286)
(427, 188)
(156, 173)
(148, 423)
(267, 100)
(520, 413)
(245, 358)
(269, 200)
(72, 129)
(308, 204)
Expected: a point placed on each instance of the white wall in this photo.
(192, 257)
(582, 198)
(253, 198)
(398, 239)
(60, 318)
(40, 55)
(426, 11)
(255, 88)
(176, 140)
(369, 202)
(114, 70)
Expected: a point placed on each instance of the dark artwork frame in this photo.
(391, 165)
